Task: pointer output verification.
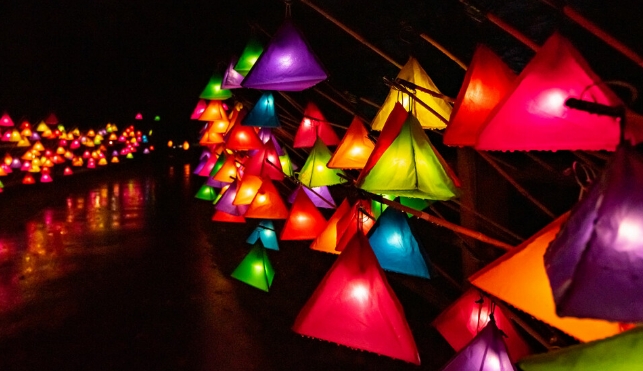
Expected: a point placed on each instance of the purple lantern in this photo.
(320, 196)
(595, 264)
(225, 202)
(288, 63)
(231, 78)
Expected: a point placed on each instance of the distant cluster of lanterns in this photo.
(598, 253)
(32, 152)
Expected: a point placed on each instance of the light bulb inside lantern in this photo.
(359, 292)
(630, 235)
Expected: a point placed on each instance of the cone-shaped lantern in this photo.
(486, 352)
(28, 179)
(248, 187)
(326, 241)
(413, 72)
(267, 203)
(595, 264)
(288, 63)
(6, 120)
(211, 137)
(213, 90)
(199, 109)
(263, 113)
(623, 352)
(51, 119)
(222, 216)
(286, 165)
(356, 221)
(396, 247)
(528, 289)
(225, 202)
(305, 222)
(266, 232)
(231, 78)
(411, 167)
(315, 173)
(265, 163)
(486, 82)
(228, 170)
(320, 196)
(249, 56)
(468, 315)
(533, 116)
(255, 269)
(355, 306)
(243, 138)
(354, 148)
(206, 192)
(215, 112)
(314, 125)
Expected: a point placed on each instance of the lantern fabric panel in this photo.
(314, 173)
(354, 149)
(243, 138)
(263, 114)
(267, 203)
(312, 126)
(249, 56)
(320, 196)
(305, 222)
(265, 232)
(213, 90)
(225, 203)
(255, 269)
(265, 163)
(356, 221)
(206, 193)
(248, 187)
(326, 241)
(231, 78)
(221, 216)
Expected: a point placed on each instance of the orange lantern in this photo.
(267, 204)
(327, 239)
(354, 149)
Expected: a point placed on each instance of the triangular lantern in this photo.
(305, 222)
(215, 112)
(411, 167)
(326, 241)
(533, 116)
(263, 113)
(243, 138)
(248, 188)
(213, 90)
(199, 109)
(255, 269)
(354, 148)
(287, 64)
(355, 306)
(286, 164)
(469, 314)
(6, 120)
(528, 289)
(622, 352)
(486, 82)
(228, 171)
(265, 163)
(396, 247)
(320, 196)
(414, 73)
(225, 203)
(206, 192)
(267, 203)
(51, 119)
(249, 56)
(222, 216)
(486, 352)
(595, 264)
(231, 78)
(355, 221)
(314, 125)
(265, 232)
(315, 173)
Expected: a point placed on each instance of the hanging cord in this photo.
(588, 174)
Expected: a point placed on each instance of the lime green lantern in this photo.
(206, 193)
(213, 90)
(286, 164)
(255, 269)
(315, 173)
(157, 118)
(249, 56)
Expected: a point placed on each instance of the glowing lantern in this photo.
(414, 73)
(211, 137)
(28, 179)
(206, 193)
(355, 306)
(396, 247)
(314, 125)
(6, 120)
(286, 165)
(356, 221)
(326, 241)
(27, 156)
(228, 171)
(464, 319)
(354, 148)
(267, 203)
(23, 142)
(213, 90)
(528, 289)
(215, 112)
(91, 163)
(225, 202)
(68, 171)
(305, 222)
(45, 178)
(486, 352)
(619, 353)
(14, 136)
(255, 269)
(265, 163)
(265, 232)
(199, 109)
(6, 136)
(209, 165)
(34, 136)
(77, 161)
(16, 164)
(3, 172)
(186, 146)
(243, 138)
(315, 173)
(157, 118)
(249, 56)
(533, 116)
(263, 113)
(51, 119)
(103, 161)
(486, 82)
(419, 170)
(138, 116)
(231, 78)
(220, 216)
(248, 187)
(26, 166)
(288, 63)
(595, 263)
(115, 160)
(26, 133)
(320, 196)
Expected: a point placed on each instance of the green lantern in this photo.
(315, 173)
(255, 269)
(286, 164)
(213, 90)
(249, 56)
(206, 193)
(157, 118)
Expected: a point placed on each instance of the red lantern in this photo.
(305, 222)
(314, 125)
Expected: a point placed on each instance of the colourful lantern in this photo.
(320, 196)
(263, 113)
(287, 64)
(396, 247)
(533, 116)
(354, 148)
(528, 289)
(623, 352)
(6, 120)
(326, 241)
(486, 352)
(28, 179)
(45, 178)
(138, 116)
(221, 216)
(213, 91)
(211, 137)
(286, 165)
(248, 187)
(356, 221)
(267, 203)
(199, 109)
(225, 202)
(265, 163)
(206, 192)
(42, 127)
(305, 222)
(52, 119)
(255, 269)
(249, 56)
(468, 315)
(417, 168)
(378, 208)
(314, 125)
(67, 171)
(215, 112)
(243, 138)
(355, 306)
(315, 173)
(595, 264)
(265, 232)
(487, 81)
(414, 73)
(228, 171)
(231, 78)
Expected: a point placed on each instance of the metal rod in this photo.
(431, 41)
(512, 31)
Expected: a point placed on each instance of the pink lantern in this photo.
(314, 125)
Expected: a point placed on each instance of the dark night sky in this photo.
(97, 60)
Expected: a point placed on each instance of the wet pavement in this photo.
(123, 270)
